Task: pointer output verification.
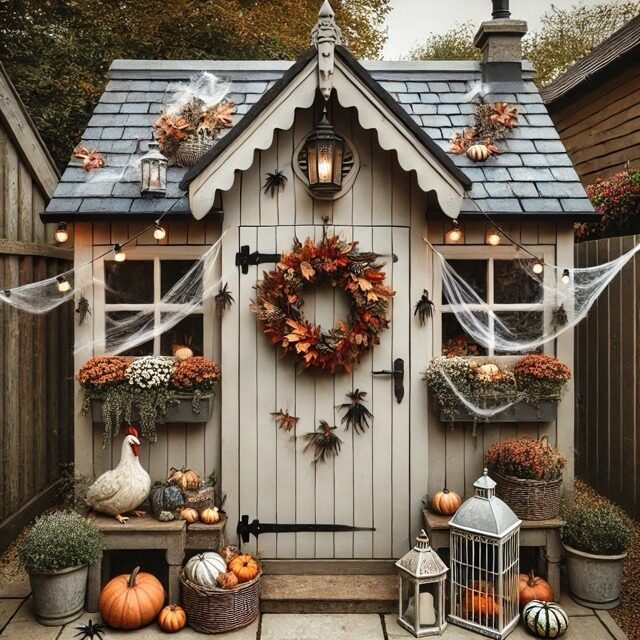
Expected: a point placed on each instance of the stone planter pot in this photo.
(594, 581)
(58, 598)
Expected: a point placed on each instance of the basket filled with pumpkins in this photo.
(221, 591)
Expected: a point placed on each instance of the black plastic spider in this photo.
(90, 630)
(274, 182)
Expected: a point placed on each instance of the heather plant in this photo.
(539, 376)
(599, 530)
(526, 459)
(60, 540)
(196, 375)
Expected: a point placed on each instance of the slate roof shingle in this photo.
(533, 175)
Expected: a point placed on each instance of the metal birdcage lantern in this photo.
(485, 562)
(421, 602)
(153, 173)
(325, 152)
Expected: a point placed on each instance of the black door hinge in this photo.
(244, 259)
(255, 527)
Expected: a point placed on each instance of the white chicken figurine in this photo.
(124, 488)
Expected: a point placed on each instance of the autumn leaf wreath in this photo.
(336, 263)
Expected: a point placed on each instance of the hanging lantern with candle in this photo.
(421, 600)
(153, 173)
(325, 151)
(485, 563)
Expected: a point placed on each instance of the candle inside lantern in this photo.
(427, 610)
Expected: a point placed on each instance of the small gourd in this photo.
(446, 502)
(245, 566)
(189, 514)
(227, 580)
(166, 516)
(229, 553)
(210, 515)
(181, 352)
(185, 479)
(204, 569)
(545, 619)
(172, 618)
(478, 152)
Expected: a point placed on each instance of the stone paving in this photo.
(18, 623)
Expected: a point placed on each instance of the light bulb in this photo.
(62, 235)
(63, 284)
(566, 277)
(120, 255)
(493, 238)
(538, 267)
(159, 233)
(455, 234)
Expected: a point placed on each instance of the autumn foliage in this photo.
(526, 458)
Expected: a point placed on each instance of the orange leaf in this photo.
(307, 270)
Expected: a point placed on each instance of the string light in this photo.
(6, 293)
(538, 267)
(120, 255)
(63, 284)
(62, 235)
(494, 238)
(159, 233)
(455, 233)
(566, 277)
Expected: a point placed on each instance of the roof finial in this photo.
(325, 35)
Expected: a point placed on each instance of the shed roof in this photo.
(533, 175)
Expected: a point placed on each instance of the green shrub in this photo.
(60, 540)
(597, 530)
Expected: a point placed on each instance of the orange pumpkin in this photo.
(131, 601)
(227, 580)
(532, 587)
(186, 479)
(172, 618)
(446, 502)
(189, 514)
(245, 567)
(210, 515)
(479, 602)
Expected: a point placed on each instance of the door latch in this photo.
(398, 377)
(244, 259)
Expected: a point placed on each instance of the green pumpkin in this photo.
(545, 619)
(165, 497)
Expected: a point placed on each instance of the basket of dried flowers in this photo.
(528, 474)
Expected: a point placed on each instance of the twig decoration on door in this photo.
(284, 420)
(83, 309)
(356, 415)
(326, 444)
(559, 317)
(424, 308)
(223, 299)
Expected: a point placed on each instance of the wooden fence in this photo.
(607, 371)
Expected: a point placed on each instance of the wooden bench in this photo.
(148, 533)
(544, 534)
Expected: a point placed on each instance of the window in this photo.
(513, 296)
(135, 288)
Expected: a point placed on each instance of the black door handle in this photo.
(398, 377)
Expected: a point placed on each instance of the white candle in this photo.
(427, 610)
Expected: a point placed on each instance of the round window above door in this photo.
(350, 167)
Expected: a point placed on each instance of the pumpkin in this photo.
(172, 618)
(227, 580)
(181, 352)
(545, 619)
(446, 502)
(532, 587)
(131, 601)
(478, 152)
(229, 553)
(210, 516)
(165, 497)
(489, 368)
(186, 479)
(479, 602)
(204, 568)
(245, 566)
(189, 514)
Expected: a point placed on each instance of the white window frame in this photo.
(483, 252)
(156, 255)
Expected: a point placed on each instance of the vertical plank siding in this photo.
(607, 379)
(36, 367)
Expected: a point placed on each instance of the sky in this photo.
(410, 21)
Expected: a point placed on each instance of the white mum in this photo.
(150, 372)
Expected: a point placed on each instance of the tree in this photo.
(57, 52)
(565, 36)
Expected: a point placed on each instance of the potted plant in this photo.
(196, 377)
(528, 474)
(596, 540)
(56, 554)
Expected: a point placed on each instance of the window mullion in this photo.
(157, 318)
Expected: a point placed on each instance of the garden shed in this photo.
(397, 195)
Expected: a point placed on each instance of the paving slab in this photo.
(28, 630)
(19, 588)
(8, 606)
(586, 628)
(611, 625)
(319, 626)
(573, 608)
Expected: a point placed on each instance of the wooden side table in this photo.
(208, 537)
(138, 533)
(544, 534)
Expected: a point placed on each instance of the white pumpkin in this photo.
(204, 568)
(545, 619)
(478, 152)
(181, 353)
(489, 368)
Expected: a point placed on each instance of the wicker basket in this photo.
(190, 151)
(220, 610)
(529, 499)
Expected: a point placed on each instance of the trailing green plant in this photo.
(600, 530)
(526, 458)
(60, 540)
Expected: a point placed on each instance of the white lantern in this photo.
(485, 563)
(421, 598)
(153, 173)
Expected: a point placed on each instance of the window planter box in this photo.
(543, 411)
(182, 412)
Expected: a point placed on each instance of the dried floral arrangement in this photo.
(285, 420)
(332, 261)
(325, 443)
(147, 385)
(91, 159)
(188, 133)
(526, 458)
(541, 376)
(492, 124)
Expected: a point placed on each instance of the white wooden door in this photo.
(268, 476)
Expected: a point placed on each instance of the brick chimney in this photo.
(500, 41)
